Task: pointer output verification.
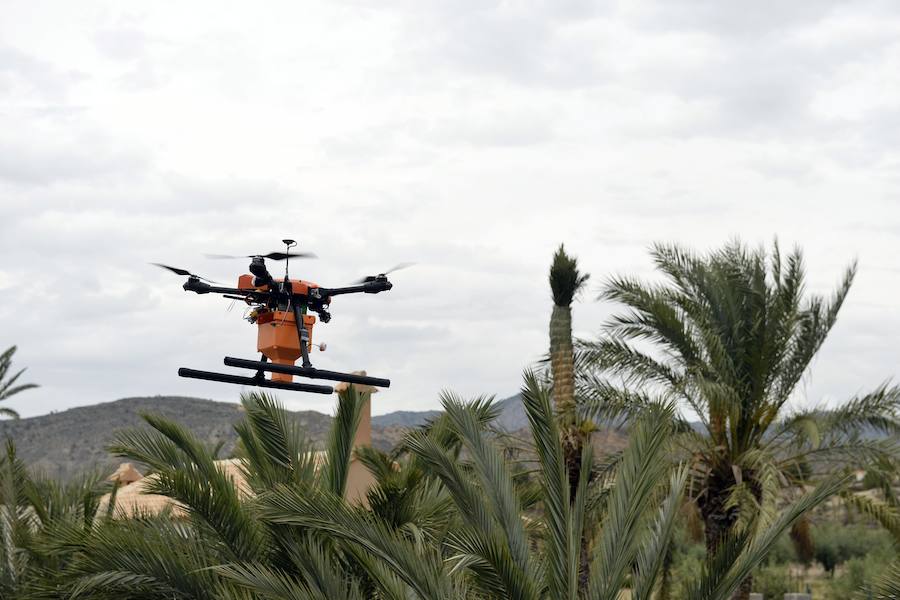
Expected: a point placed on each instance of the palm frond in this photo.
(323, 512)
(887, 586)
(321, 580)
(655, 548)
(724, 575)
(562, 569)
(186, 471)
(6, 385)
(149, 558)
(272, 447)
(875, 412)
(641, 472)
(886, 515)
(499, 492)
(339, 446)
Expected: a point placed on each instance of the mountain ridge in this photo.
(61, 444)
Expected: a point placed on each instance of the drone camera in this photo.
(263, 277)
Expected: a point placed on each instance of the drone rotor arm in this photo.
(370, 287)
(199, 287)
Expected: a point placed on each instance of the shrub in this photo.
(857, 576)
(773, 581)
(836, 544)
(782, 552)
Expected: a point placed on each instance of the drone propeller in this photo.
(270, 255)
(367, 278)
(183, 272)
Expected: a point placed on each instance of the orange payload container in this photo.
(277, 339)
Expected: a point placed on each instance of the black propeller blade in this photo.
(402, 265)
(270, 255)
(183, 272)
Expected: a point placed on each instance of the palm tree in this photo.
(731, 334)
(33, 512)
(220, 542)
(566, 282)
(469, 526)
(498, 550)
(6, 384)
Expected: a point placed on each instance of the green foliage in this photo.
(773, 581)
(565, 278)
(34, 514)
(7, 382)
(858, 579)
(688, 568)
(783, 552)
(836, 544)
(449, 517)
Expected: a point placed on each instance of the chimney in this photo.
(359, 480)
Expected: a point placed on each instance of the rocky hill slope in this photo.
(65, 443)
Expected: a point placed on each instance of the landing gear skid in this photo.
(262, 366)
(257, 381)
(310, 372)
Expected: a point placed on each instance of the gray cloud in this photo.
(42, 163)
(34, 75)
(471, 138)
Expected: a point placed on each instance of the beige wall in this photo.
(359, 480)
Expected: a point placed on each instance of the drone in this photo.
(281, 310)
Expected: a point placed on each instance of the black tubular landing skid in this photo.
(310, 372)
(257, 381)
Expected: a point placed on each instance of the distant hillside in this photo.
(65, 443)
(61, 444)
(404, 418)
(512, 416)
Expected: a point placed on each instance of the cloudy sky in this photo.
(469, 136)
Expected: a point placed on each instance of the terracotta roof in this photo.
(125, 474)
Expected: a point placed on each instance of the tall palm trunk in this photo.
(562, 362)
(719, 517)
(562, 366)
(565, 283)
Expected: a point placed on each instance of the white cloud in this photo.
(469, 137)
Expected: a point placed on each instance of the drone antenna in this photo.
(287, 256)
